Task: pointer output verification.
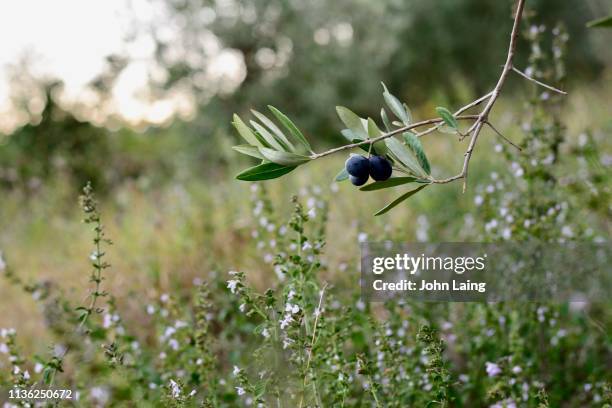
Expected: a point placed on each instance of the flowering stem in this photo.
(312, 344)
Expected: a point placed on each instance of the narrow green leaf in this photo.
(246, 133)
(352, 122)
(392, 182)
(267, 136)
(385, 119)
(380, 148)
(264, 171)
(284, 158)
(402, 155)
(415, 145)
(248, 150)
(275, 130)
(291, 127)
(604, 22)
(447, 117)
(342, 175)
(396, 106)
(399, 200)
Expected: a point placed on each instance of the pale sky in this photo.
(70, 40)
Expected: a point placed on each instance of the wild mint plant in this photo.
(281, 151)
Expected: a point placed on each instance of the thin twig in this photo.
(484, 115)
(312, 341)
(388, 135)
(503, 137)
(459, 112)
(542, 84)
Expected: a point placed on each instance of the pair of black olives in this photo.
(361, 168)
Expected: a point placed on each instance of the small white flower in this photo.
(517, 369)
(4, 348)
(506, 233)
(150, 309)
(362, 237)
(236, 371)
(175, 388)
(290, 295)
(265, 333)
(293, 309)
(478, 200)
(242, 307)
(312, 213)
(164, 297)
(38, 368)
(232, 285)
(360, 305)
(286, 321)
(306, 246)
(2, 262)
(174, 344)
(240, 390)
(566, 231)
(287, 342)
(26, 375)
(108, 321)
(492, 369)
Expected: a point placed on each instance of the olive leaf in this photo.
(604, 22)
(392, 182)
(280, 136)
(267, 136)
(342, 175)
(284, 158)
(264, 171)
(447, 117)
(291, 127)
(385, 119)
(396, 106)
(399, 200)
(380, 148)
(248, 150)
(246, 133)
(416, 146)
(402, 155)
(352, 122)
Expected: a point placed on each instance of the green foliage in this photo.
(399, 200)
(605, 22)
(264, 171)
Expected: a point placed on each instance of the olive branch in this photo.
(280, 155)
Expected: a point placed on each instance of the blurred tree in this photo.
(56, 143)
(310, 56)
